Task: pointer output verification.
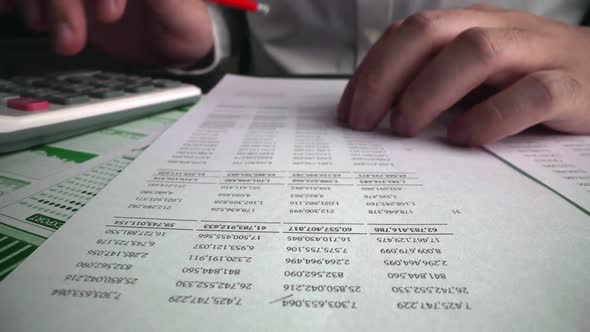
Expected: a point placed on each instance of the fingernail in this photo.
(458, 134)
(112, 6)
(64, 35)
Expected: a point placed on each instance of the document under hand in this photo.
(257, 211)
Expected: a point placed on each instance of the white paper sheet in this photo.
(561, 162)
(257, 212)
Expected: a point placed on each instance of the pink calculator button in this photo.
(28, 104)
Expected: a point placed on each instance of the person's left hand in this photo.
(428, 62)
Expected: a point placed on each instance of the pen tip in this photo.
(263, 8)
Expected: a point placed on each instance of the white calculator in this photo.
(40, 109)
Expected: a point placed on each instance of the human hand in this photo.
(143, 32)
(428, 62)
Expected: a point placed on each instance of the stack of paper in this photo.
(258, 212)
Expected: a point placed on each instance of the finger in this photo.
(346, 99)
(109, 11)
(469, 61)
(68, 25)
(405, 50)
(179, 15)
(33, 14)
(552, 97)
(184, 25)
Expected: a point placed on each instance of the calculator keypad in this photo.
(72, 89)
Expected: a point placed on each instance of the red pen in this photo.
(249, 5)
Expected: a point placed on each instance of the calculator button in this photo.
(134, 78)
(139, 88)
(28, 104)
(109, 76)
(78, 79)
(62, 87)
(102, 76)
(31, 93)
(43, 93)
(140, 83)
(104, 93)
(5, 96)
(109, 84)
(25, 80)
(99, 83)
(65, 99)
(78, 88)
(6, 85)
(10, 88)
(44, 83)
(166, 83)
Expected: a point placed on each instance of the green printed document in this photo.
(257, 211)
(43, 187)
(27, 167)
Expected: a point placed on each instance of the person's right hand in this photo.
(150, 32)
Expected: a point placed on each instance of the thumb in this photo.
(180, 16)
(181, 25)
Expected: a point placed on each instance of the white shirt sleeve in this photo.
(221, 44)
